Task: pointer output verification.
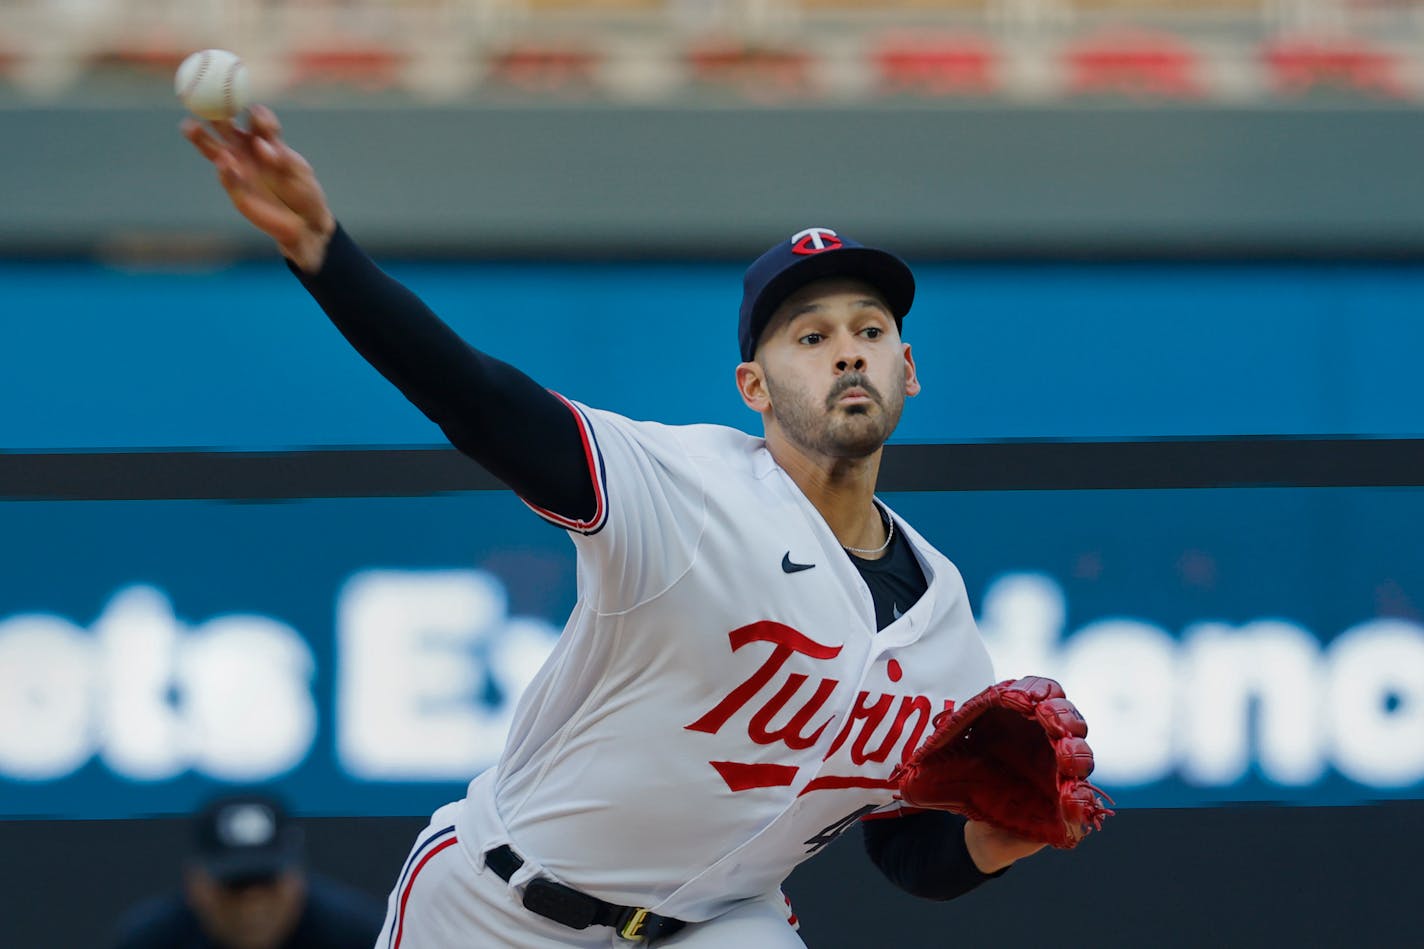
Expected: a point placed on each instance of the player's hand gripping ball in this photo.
(1013, 756)
(212, 84)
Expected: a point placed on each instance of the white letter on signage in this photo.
(46, 683)
(1266, 672)
(409, 681)
(143, 735)
(247, 682)
(1376, 703)
(1119, 674)
(1022, 620)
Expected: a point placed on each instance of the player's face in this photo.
(835, 369)
(259, 915)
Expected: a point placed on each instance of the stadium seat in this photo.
(1298, 65)
(759, 72)
(595, 8)
(360, 63)
(155, 51)
(1183, 9)
(9, 57)
(544, 67)
(935, 65)
(890, 6)
(1132, 62)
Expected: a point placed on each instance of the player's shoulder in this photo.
(720, 440)
(700, 439)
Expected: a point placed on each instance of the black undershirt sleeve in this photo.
(924, 854)
(520, 432)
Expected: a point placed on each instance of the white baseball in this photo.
(212, 84)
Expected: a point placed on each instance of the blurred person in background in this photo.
(246, 886)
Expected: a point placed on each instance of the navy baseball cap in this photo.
(247, 837)
(813, 254)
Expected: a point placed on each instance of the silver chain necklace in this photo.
(889, 536)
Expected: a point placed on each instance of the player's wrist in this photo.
(992, 849)
(308, 251)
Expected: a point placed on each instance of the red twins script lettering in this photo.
(800, 730)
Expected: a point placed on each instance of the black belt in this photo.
(564, 904)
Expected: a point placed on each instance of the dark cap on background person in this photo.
(814, 254)
(244, 838)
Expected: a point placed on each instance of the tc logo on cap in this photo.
(813, 240)
(246, 825)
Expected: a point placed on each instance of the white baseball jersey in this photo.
(720, 704)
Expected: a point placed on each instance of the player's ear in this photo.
(912, 381)
(751, 384)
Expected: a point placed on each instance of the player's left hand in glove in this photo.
(1013, 756)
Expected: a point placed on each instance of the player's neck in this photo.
(841, 489)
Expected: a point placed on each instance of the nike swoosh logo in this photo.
(791, 567)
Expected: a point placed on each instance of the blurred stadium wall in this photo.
(1171, 258)
(693, 127)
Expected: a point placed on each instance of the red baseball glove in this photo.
(1012, 756)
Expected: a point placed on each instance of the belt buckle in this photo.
(632, 930)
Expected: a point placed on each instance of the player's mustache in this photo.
(853, 380)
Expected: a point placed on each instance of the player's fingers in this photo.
(257, 203)
(271, 184)
(263, 122)
(240, 178)
(279, 158)
(203, 140)
(235, 136)
(229, 173)
(271, 218)
(290, 177)
(273, 155)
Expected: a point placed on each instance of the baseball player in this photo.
(758, 640)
